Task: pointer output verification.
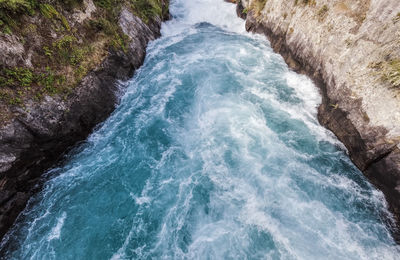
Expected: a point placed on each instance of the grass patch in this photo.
(16, 77)
(50, 12)
(258, 6)
(11, 11)
(396, 18)
(18, 6)
(147, 9)
(323, 11)
(307, 2)
(18, 82)
(391, 72)
(65, 55)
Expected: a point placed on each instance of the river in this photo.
(214, 152)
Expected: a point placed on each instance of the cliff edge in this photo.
(352, 51)
(59, 66)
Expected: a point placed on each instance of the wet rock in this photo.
(240, 11)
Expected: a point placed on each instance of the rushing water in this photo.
(215, 152)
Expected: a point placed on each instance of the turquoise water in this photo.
(214, 152)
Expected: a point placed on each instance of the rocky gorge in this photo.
(60, 66)
(215, 148)
(61, 62)
(351, 49)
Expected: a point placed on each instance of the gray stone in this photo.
(41, 133)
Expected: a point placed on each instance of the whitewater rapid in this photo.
(215, 152)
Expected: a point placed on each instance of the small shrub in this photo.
(147, 9)
(17, 6)
(17, 77)
(324, 9)
(392, 72)
(388, 70)
(7, 30)
(120, 42)
(29, 29)
(50, 12)
(102, 25)
(77, 56)
(71, 4)
(65, 42)
(15, 101)
(109, 5)
(67, 50)
(258, 6)
(47, 51)
(50, 81)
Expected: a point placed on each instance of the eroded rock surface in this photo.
(351, 49)
(39, 133)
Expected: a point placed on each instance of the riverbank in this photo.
(214, 151)
(60, 66)
(350, 50)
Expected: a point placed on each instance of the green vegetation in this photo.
(322, 12)
(12, 10)
(388, 70)
(19, 77)
(258, 6)
(67, 51)
(310, 2)
(107, 4)
(306, 2)
(29, 6)
(396, 18)
(21, 81)
(50, 12)
(147, 9)
(391, 72)
(18, 6)
(16, 77)
(62, 55)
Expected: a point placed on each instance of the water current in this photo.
(214, 152)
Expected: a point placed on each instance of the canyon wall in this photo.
(59, 80)
(352, 51)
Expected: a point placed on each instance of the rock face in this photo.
(352, 51)
(43, 131)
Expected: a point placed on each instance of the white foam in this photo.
(216, 12)
(56, 231)
(228, 146)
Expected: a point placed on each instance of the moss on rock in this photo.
(59, 51)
